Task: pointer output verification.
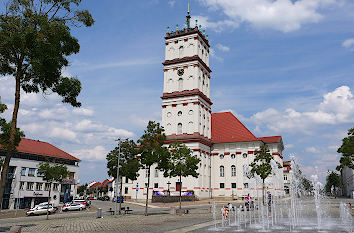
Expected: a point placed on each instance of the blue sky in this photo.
(283, 67)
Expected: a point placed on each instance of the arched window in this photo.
(181, 49)
(180, 84)
(179, 113)
(233, 156)
(222, 156)
(244, 155)
(204, 130)
(233, 170)
(222, 171)
(179, 128)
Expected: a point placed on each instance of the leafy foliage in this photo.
(182, 162)
(81, 189)
(261, 164)
(333, 179)
(129, 164)
(55, 173)
(152, 151)
(307, 185)
(347, 150)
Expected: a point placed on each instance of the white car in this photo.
(73, 206)
(40, 209)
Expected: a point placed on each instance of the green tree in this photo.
(128, 164)
(333, 180)
(261, 165)
(152, 152)
(35, 41)
(81, 190)
(347, 150)
(181, 164)
(55, 173)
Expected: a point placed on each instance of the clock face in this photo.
(180, 72)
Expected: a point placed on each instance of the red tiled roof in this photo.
(225, 127)
(272, 139)
(36, 147)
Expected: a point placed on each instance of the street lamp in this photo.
(118, 165)
(168, 188)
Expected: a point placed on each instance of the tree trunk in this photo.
(11, 147)
(120, 196)
(147, 193)
(50, 187)
(180, 192)
(263, 192)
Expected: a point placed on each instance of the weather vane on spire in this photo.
(188, 17)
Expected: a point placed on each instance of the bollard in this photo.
(99, 213)
(173, 210)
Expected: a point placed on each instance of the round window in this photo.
(169, 114)
(244, 155)
(179, 113)
(222, 156)
(233, 156)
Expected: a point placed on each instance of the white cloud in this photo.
(337, 107)
(96, 153)
(83, 111)
(172, 3)
(349, 44)
(289, 146)
(282, 15)
(312, 149)
(222, 48)
(218, 26)
(213, 55)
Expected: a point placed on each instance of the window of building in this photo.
(47, 187)
(285, 177)
(180, 84)
(55, 187)
(23, 171)
(233, 185)
(222, 171)
(179, 128)
(39, 186)
(245, 185)
(246, 171)
(147, 172)
(156, 173)
(156, 185)
(222, 185)
(233, 156)
(233, 170)
(31, 171)
(222, 156)
(126, 190)
(181, 49)
(244, 155)
(22, 185)
(146, 185)
(169, 114)
(30, 185)
(179, 113)
(190, 112)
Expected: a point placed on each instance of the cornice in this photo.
(186, 93)
(187, 59)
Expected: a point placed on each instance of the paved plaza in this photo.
(199, 219)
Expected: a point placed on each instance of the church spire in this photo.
(188, 17)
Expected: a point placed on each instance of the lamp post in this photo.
(117, 180)
(168, 188)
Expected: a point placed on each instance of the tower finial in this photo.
(188, 17)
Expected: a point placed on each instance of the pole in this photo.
(210, 189)
(118, 165)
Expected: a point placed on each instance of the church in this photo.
(223, 144)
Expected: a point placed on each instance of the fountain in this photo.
(296, 213)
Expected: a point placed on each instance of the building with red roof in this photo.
(222, 142)
(24, 185)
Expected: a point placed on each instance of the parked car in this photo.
(80, 201)
(118, 199)
(73, 206)
(40, 209)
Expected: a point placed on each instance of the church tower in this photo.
(186, 104)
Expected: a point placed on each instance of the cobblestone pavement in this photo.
(161, 222)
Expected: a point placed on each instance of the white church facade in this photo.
(223, 144)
